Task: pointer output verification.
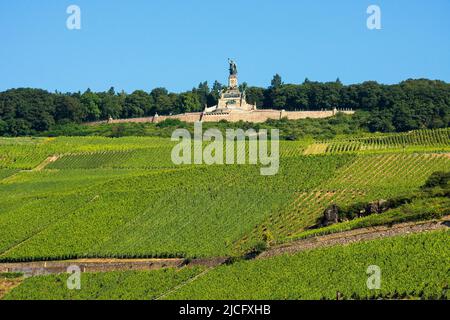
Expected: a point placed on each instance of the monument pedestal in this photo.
(231, 98)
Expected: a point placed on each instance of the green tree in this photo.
(91, 103)
(255, 95)
(138, 104)
(110, 106)
(189, 102)
(276, 81)
(161, 100)
(202, 92)
(68, 109)
(214, 94)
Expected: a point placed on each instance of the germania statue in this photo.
(233, 67)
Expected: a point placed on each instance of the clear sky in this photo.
(143, 44)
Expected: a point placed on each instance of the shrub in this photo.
(437, 179)
(171, 123)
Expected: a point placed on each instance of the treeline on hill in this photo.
(411, 104)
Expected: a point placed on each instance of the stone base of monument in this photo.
(231, 100)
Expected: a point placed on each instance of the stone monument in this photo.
(231, 98)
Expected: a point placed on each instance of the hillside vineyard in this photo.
(101, 197)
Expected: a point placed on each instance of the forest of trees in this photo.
(411, 104)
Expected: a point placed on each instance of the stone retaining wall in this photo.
(104, 265)
(256, 116)
(49, 267)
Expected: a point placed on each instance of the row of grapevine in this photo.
(4, 173)
(436, 138)
(153, 156)
(124, 209)
(21, 153)
(367, 178)
(125, 285)
(413, 266)
(390, 170)
(194, 211)
(92, 160)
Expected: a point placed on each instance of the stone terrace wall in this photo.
(186, 117)
(254, 116)
(105, 265)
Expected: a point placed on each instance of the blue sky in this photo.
(143, 44)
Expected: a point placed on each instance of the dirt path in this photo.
(357, 235)
(7, 285)
(316, 148)
(45, 163)
(39, 167)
